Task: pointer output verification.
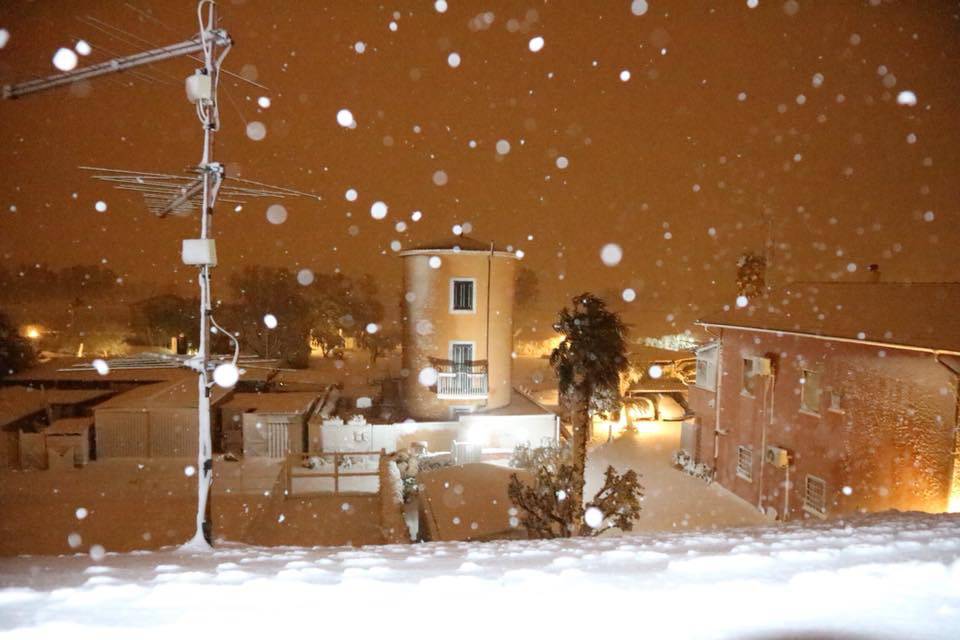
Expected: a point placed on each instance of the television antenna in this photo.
(182, 195)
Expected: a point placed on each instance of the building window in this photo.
(836, 400)
(707, 367)
(749, 381)
(462, 298)
(810, 392)
(815, 496)
(745, 463)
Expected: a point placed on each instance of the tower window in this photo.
(462, 297)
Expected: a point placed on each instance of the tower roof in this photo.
(458, 244)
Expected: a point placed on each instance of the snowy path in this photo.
(673, 499)
(891, 576)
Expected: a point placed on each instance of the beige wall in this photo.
(430, 326)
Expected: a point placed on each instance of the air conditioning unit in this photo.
(778, 457)
(761, 367)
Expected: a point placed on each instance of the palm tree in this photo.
(588, 364)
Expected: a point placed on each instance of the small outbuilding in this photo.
(153, 421)
(270, 425)
(25, 412)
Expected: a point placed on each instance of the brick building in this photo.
(826, 399)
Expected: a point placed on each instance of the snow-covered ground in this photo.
(673, 500)
(887, 576)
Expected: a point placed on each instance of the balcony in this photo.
(461, 380)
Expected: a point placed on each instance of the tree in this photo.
(588, 364)
(16, 352)
(527, 286)
(264, 291)
(160, 318)
(751, 275)
(378, 343)
(341, 306)
(547, 508)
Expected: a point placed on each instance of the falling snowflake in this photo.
(345, 118)
(276, 214)
(378, 210)
(256, 131)
(65, 59)
(611, 254)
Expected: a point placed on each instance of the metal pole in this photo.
(205, 449)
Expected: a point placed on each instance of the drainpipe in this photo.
(489, 270)
(767, 420)
(786, 493)
(717, 431)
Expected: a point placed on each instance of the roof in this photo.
(468, 502)
(915, 315)
(658, 385)
(69, 426)
(457, 244)
(17, 403)
(292, 402)
(643, 353)
(520, 405)
(180, 394)
(50, 372)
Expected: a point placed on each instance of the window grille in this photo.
(745, 463)
(815, 496)
(463, 295)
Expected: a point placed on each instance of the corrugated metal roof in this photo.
(922, 315)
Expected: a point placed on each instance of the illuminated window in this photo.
(815, 496)
(462, 297)
(745, 463)
(810, 391)
(707, 367)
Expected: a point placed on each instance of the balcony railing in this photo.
(461, 380)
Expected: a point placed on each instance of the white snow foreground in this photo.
(886, 576)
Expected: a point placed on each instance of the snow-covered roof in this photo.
(50, 371)
(643, 353)
(457, 244)
(17, 403)
(520, 405)
(468, 502)
(69, 426)
(292, 402)
(180, 394)
(920, 315)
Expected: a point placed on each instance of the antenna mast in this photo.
(201, 88)
(212, 174)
